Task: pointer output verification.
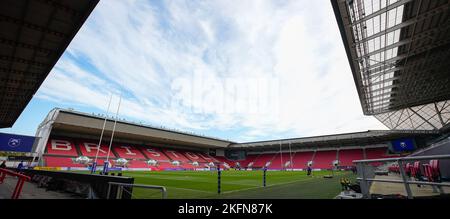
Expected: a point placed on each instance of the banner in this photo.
(17, 143)
(405, 144)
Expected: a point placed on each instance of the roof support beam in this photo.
(384, 49)
(13, 44)
(381, 11)
(392, 61)
(405, 23)
(417, 114)
(26, 61)
(439, 114)
(32, 26)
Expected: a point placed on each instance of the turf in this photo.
(238, 184)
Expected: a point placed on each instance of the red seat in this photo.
(408, 168)
(415, 171)
(427, 172)
(435, 167)
(432, 171)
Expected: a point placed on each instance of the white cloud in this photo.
(251, 69)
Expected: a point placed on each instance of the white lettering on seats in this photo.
(90, 146)
(174, 153)
(61, 145)
(153, 152)
(204, 157)
(191, 155)
(129, 152)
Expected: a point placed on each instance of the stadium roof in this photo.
(370, 137)
(398, 51)
(33, 36)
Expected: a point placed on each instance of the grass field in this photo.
(239, 184)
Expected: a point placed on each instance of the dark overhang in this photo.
(398, 51)
(371, 137)
(33, 36)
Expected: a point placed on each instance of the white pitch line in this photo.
(277, 184)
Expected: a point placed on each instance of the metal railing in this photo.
(365, 180)
(120, 187)
(21, 180)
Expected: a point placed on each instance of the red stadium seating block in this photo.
(155, 154)
(175, 155)
(61, 147)
(300, 159)
(61, 162)
(193, 156)
(262, 160)
(128, 152)
(347, 156)
(279, 161)
(90, 149)
(324, 159)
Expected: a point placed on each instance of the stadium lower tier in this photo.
(71, 162)
(81, 154)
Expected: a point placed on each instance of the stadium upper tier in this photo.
(398, 52)
(33, 36)
(67, 122)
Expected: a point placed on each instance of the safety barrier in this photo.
(21, 180)
(404, 170)
(120, 189)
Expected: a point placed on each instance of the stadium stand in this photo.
(346, 157)
(175, 155)
(164, 164)
(373, 153)
(61, 152)
(207, 157)
(137, 164)
(128, 152)
(61, 147)
(195, 157)
(262, 160)
(222, 160)
(155, 154)
(324, 159)
(279, 161)
(89, 149)
(249, 159)
(51, 161)
(300, 159)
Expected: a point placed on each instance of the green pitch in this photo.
(239, 184)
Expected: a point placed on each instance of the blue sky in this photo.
(239, 70)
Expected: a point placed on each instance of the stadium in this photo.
(397, 52)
